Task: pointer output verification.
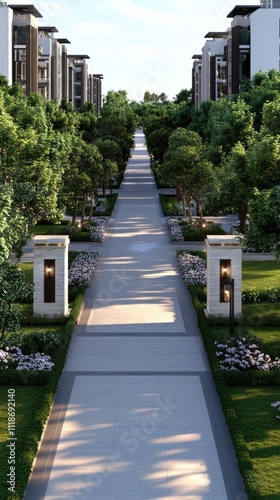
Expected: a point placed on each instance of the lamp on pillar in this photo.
(227, 290)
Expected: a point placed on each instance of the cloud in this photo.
(130, 9)
(97, 27)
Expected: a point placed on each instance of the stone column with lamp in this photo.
(224, 264)
(50, 276)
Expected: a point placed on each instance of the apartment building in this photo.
(250, 44)
(196, 79)
(95, 91)
(34, 57)
(19, 45)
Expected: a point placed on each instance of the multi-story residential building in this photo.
(239, 47)
(19, 45)
(78, 80)
(196, 79)
(265, 37)
(213, 66)
(251, 44)
(95, 91)
(31, 55)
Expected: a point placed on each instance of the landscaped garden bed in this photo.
(31, 363)
(93, 230)
(246, 371)
(197, 230)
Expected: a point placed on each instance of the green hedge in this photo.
(25, 459)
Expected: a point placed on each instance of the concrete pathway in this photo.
(136, 414)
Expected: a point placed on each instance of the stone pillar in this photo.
(224, 262)
(50, 276)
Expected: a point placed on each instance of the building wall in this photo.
(6, 53)
(265, 40)
(210, 49)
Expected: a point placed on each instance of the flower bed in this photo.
(13, 358)
(241, 353)
(82, 269)
(183, 230)
(93, 230)
(193, 269)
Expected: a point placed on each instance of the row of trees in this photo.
(50, 157)
(230, 148)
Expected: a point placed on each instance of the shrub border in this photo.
(25, 459)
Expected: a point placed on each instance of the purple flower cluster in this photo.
(175, 229)
(193, 269)
(82, 269)
(98, 229)
(277, 406)
(12, 357)
(239, 353)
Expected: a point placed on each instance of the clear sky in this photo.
(138, 45)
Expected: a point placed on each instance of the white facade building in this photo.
(214, 47)
(265, 38)
(6, 42)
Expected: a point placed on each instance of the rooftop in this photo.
(49, 29)
(26, 9)
(243, 10)
(197, 56)
(63, 40)
(217, 34)
(78, 56)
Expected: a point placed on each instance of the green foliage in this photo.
(12, 289)
(264, 221)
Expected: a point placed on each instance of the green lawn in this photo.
(261, 274)
(27, 400)
(261, 430)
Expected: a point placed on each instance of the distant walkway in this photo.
(136, 416)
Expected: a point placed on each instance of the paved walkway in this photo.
(136, 416)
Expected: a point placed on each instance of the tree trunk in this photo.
(75, 209)
(183, 198)
(91, 206)
(85, 196)
(242, 215)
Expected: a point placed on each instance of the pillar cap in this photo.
(51, 241)
(223, 240)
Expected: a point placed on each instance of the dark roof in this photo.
(98, 76)
(49, 29)
(28, 9)
(216, 34)
(197, 56)
(78, 56)
(243, 10)
(63, 40)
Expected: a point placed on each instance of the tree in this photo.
(232, 187)
(264, 221)
(12, 226)
(186, 168)
(229, 122)
(264, 161)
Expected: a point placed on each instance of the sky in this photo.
(138, 45)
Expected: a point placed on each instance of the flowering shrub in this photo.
(175, 229)
(235, 228)
(277, 406)
(98, 230)
(12, 357)
(239, 353)
(82, 269)
(193, 269)
(96, 227)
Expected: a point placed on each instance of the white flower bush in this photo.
(193, 269)
(12, 357)
(98, 230)
(175, 229)
(239, 353)
(82, 269)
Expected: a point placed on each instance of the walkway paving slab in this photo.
(136, 414)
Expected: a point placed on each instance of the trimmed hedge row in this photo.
(24, 460)
(242, 453)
